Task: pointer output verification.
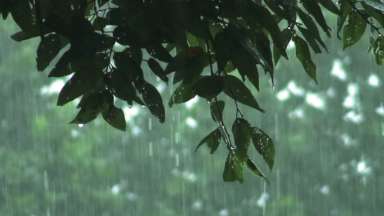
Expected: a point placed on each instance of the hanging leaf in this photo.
(153, 101)
(255, 170)
(241, 130)
(330, 5)
(157, 69)
(208, 87)
(375, 4)
(233, 170)
(378, 50)
(48, 48)
(62, 67)
(217, 108)
(264, 145)
(115, 117)
(236, 89)
(183, 93)
(73, 88)
(314, 9)
(160, 53)
(304, 56)
(354, 30)
(212, 140)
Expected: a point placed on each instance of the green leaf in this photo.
(378, 50)
(246, 66)
(375, 4)
(47, 50)
(182, 93)
(345, 10)
(62, 67)
(208, 87)
(212, 140)
(236, 89)
(374, 12)
(85, 115)
(263, 46)
(304, 56)
(255, 170)
(152, 99)
(311, 33)
(309, 37)
(260, 16)
(241, 130)
(122, 86)
(115, 117)
(233, 170)
(329, 5)
(157, 69)
(354, 30)
(217, 108)
(222, 46)
(264, 145)
(72, 89)
(23, 35)
(160, 53)
(286, 36)
(314, 9)
(23, 16)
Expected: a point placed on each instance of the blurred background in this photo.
(328, 137)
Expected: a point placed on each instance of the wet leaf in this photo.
(236, 89)
(264, 145)
(208, 87)
(217, 108)
(152, 99)
(304, 56)
(157, 69)
(212, 140)
(115, 117)
(182, 93)
(241, 130)
(354, 30)
(233, 170)
(48, 48)
(252, 166)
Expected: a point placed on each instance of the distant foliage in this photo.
(104, 44)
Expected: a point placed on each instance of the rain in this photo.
(329, 141)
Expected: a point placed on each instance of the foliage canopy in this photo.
(203, 45)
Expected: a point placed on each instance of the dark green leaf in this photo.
(233, 170)
(252, 166)
(329, 5)
(48, 48)
(217, 108)
(354, 30)
(314, 9)
(241, 130)
(236, 89)
(212, 140)
(154, 102)
(375, 4)
(115, 117)
(378, 50)
(208, 86)
(264, 145)
(183, 93)
(157, 69)
(62, 67)
(304, 55)
(73, 88)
